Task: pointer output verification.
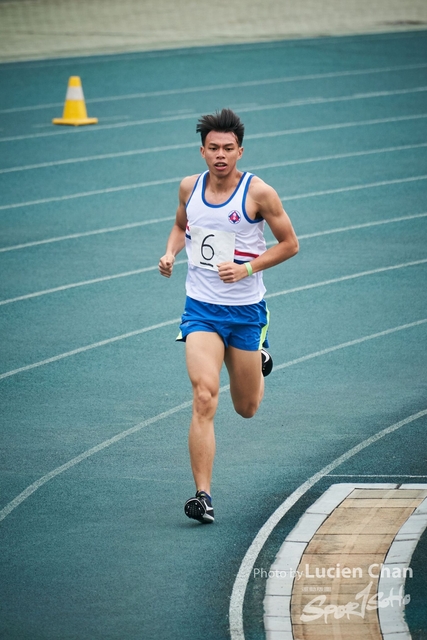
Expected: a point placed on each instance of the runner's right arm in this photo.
(176, 240)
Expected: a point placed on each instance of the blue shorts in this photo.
(243, 327)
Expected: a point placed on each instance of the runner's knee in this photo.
(205, 400)
(246, 409)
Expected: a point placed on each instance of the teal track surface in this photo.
(95, 401)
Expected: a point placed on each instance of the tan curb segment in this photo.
(340, 574)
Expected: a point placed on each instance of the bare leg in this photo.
(205, 355)
(246, 380)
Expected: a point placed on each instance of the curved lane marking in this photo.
(277, 601)
(236, 605)
(245, 570)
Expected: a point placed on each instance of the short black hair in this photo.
(225, 120)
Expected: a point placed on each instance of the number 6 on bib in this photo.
(210, 247)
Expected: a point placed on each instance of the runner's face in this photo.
(221, 152)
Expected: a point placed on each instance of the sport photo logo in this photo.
(363, 602)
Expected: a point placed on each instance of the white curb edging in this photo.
(281, 577)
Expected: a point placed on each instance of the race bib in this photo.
(209, 247)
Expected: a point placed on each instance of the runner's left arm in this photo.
(269, 206)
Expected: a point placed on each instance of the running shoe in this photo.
(267, 362)
(200, 508)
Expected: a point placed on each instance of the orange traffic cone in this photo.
(74, 108)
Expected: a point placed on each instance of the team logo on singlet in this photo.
(234, 217)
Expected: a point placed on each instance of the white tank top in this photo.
(218, 233)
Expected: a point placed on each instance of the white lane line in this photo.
(251, 136)
(363, 225)
(141, 185)
(340, 156)
(352, 276)
(350, 343)
(268, 107)
(218, 87)
(329, 127)
(61, 356)
(99, 127)
(373, 475)
(136, 152)
(89, 347)
(235, 607)
(356, 187)
(96, 192)
(84, 283)
(126, 274)
(103, 156)
(245, 570)
(134, 225)
(335, 126)
(85, 234)
(321, 100)
(86, 454)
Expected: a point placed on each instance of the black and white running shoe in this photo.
(200, 508)
(267, 362)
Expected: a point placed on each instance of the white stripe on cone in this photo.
(74, 93)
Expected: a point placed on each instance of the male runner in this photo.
(220, 220)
